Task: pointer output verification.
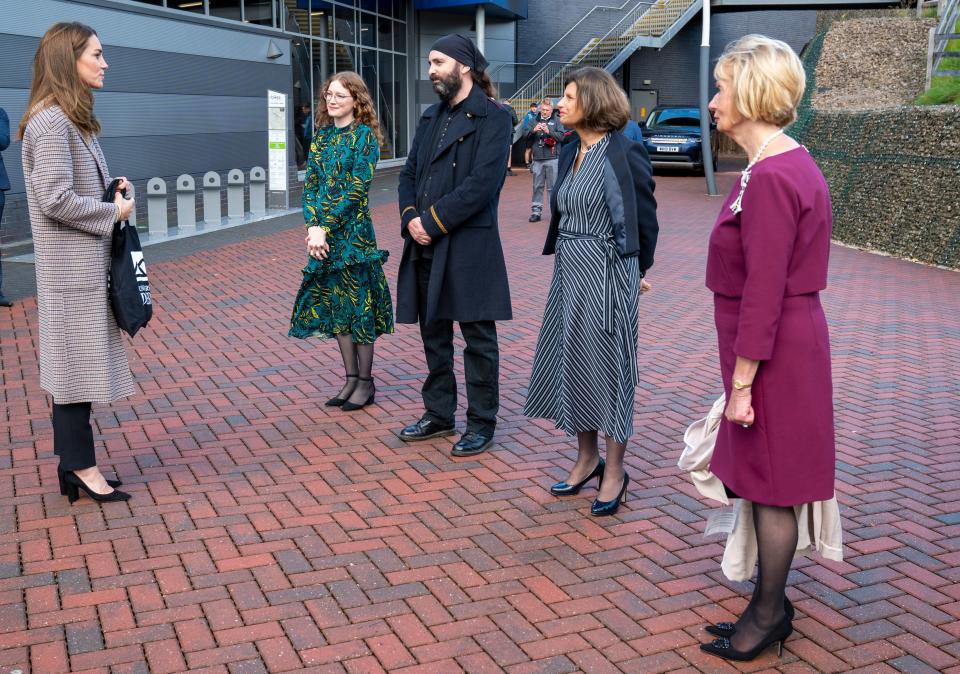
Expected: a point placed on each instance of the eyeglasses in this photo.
(339, 98)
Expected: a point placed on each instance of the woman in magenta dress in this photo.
(767, 264)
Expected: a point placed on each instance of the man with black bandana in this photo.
(452, 267)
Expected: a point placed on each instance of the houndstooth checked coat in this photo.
(82, 357)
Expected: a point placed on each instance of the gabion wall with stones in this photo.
(894, 174)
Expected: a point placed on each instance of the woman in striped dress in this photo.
(603, 229)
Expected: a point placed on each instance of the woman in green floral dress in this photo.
(344, 293)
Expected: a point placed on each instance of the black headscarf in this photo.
(461, 49)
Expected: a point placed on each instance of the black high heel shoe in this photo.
(723, 647)
(63, 485)
(727, 629)
(350, 407)
(71, 485)
(601, 508)
(337, 401)
(566, 489)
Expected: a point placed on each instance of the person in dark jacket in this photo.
(452, 267)
(603, 229)
(514, 123)
(4, 187)
(544, 138)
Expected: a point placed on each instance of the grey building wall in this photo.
(674, 70)
(179, 96)
(499, 49)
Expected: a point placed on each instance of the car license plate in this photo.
(661, 148)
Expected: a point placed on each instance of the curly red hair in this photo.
(364, 112)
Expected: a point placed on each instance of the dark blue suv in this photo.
(671, 135)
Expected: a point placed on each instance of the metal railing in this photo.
(644, 18)
(494, 74)
(939, 40)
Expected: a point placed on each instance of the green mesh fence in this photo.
(894, 174)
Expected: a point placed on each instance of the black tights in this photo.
(357, 364)
(776, 529)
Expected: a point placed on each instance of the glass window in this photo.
(323, 59)
(344, 25)
(399, 37)
(368, 30)
(195, 6)
(346, 58)
(385, 111)
(400, 107)
(400, 9)
(259, 12)
(369, 5)
(226, 9)
(320, 21)
(384, 33)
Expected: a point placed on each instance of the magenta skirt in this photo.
(788, 456)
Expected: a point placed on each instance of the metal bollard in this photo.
(186, 203)
(157, 206)
(132, 194)
(235, 194)
(211, 198)
(258, 191)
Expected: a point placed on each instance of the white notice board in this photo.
(277, 140)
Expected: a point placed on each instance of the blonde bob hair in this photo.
(766, 78)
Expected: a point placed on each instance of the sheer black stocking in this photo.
(776, 529)
(588, 455)
(613, 474)
(363, 389)
(349, 355)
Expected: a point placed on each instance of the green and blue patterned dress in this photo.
(347, 292)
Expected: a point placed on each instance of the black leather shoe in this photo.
(424, 430)
(723, 647)
(350, 407)
(601, 508)
(727, 629)
(534, 217)
(567, 489)
(73, 485)
(510, 172)
(471, 444)
(337, 401)
(4, 302)
(61, 477)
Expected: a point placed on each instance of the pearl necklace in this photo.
(745, 175)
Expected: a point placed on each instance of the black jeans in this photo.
(73, 436)
(481, 365)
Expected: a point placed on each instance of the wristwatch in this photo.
(739, 385)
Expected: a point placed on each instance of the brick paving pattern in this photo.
(268, 533)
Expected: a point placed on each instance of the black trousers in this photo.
(3, 200)
(73, 436)
(481, 365)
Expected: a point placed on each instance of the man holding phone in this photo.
(543, 137)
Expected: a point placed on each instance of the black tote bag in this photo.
(128, 286)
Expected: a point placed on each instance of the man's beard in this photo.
(447, 86)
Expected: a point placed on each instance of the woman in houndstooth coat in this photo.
(82, 357)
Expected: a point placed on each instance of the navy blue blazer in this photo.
(628, 192)
(4, 144)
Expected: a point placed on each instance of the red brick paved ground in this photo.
(268, 533)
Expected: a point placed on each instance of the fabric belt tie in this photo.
(608, 277)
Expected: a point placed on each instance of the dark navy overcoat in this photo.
(458, 182)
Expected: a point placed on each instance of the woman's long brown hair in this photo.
(56, 80)
(363, 112)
